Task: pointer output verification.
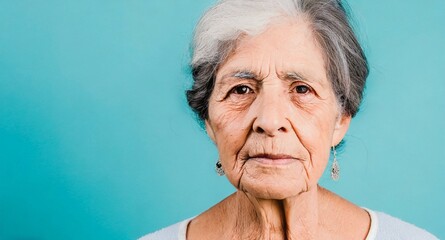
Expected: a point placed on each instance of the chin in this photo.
(272, 188)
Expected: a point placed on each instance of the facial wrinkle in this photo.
(304, 161)
(238, 155)
(297, 132)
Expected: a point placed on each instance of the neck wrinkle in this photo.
(291, 218)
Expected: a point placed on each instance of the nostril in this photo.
(282, 129)
(259, 130)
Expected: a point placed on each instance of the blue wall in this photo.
(97, 142)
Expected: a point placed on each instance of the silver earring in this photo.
(335, 170)
(219, 169)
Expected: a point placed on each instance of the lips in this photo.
(272, 156)
(273, 159)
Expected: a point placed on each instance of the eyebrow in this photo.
(286, 76)
(245, 75)
(293, 76)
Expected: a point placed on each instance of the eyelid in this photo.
(240, 85)
(301, 83)
(311, 90)
(249, 82)
(232, 88)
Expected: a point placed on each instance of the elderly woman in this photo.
(276, 83)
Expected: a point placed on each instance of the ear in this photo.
(209, 130)
(341, 127)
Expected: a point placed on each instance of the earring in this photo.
(335, 170)
(219, 169)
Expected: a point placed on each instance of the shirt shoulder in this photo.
(391, 228)
(176, 231)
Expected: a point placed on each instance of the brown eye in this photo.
(242, 89)
(302, 89)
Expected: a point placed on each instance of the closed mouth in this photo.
(272, 156)
(273, 159)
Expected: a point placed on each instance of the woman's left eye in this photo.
(302, 89)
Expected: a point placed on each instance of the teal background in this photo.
(97, 142)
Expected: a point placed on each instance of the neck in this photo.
(296, 217)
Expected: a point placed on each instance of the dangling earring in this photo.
(335, 170)
(219, 169)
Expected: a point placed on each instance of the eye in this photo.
(241, 89)
(302, 89)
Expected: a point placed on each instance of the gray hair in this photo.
(221, 26)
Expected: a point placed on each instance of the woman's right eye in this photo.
(241, 89)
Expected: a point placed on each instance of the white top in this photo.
(383, 227)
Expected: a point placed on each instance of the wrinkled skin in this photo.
(274, 117)
(272, 97)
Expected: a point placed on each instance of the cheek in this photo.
(315, 131)
(227, 125)
(230, 129)
(315, 125)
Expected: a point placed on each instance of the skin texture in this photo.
(274, 117)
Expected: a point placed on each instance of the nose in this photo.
(272, 115)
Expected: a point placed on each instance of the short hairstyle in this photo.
(222, 25)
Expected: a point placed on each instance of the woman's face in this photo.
(273, 114)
